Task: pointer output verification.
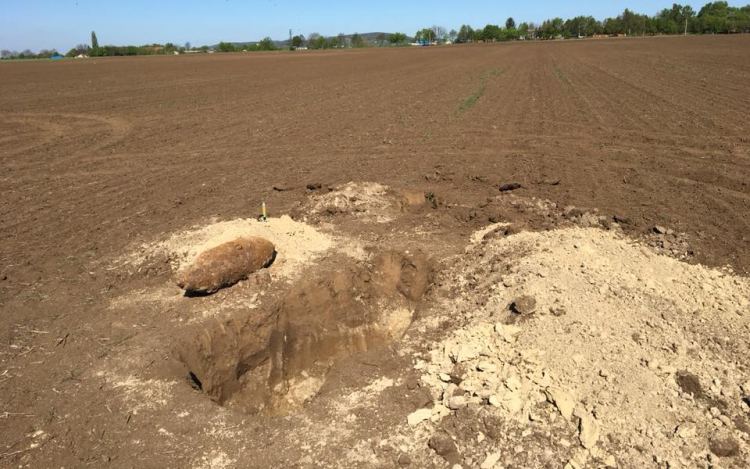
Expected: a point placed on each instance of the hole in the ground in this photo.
(273, 362)
(195, 383)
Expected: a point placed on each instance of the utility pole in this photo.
(686, 23)
(290, 38)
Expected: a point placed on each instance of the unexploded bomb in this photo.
(227, 264)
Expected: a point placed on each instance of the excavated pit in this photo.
(272, 362)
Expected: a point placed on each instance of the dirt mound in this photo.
(368, 201)
(272, 362)
(627, 357)
(297, 244)
(227, 264)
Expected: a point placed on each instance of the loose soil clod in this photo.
(510, 187)
(444, 446)
(724, 447)
(690, 384)
(523, 305)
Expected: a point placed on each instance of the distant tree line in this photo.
(264, 44)
(118, 51)
(713, 18)
(27, 54)
(342, 41)
(490, 33)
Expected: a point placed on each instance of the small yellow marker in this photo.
(265, 215)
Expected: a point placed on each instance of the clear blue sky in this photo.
(61, 24)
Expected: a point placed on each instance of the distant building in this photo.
(56, 57)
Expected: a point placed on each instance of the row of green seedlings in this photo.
(484, 77)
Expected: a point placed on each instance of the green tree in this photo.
(78, 50)
(492, 33)
(381, 39)
(94, 40)
(612, 26)
(397, 38)
(675, 19)
(46, 53)
(312, 40)
(298, 41)
(226, 47)
(552, 29)
(266, 44)
(581, 26)
(719, 17)
(510, 23)
(426, 35)
(632, 23)
(357, 40)
(465, 34)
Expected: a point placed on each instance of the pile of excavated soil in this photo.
(575, 347)
(578, 348)
(297, 244)
(368, 201)
(299, 247)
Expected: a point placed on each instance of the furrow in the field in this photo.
(608, 105)
(677, 75)
(649, 113)
(683, 70)
(687, 92)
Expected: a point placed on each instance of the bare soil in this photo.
(115, 172)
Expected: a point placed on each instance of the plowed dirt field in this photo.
(110, 169)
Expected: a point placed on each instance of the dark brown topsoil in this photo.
(100, 155)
